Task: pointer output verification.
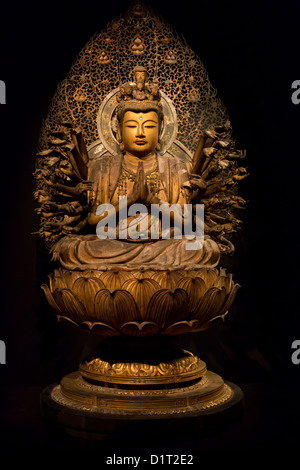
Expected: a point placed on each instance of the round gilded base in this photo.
(186, 368)
(91, 411)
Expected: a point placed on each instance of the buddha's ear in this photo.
(119, 135)
(120, 140)
(161, 129)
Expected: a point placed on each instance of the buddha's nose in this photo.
(140, 131)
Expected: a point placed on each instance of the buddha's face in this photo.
(140, 133)
(140, 79)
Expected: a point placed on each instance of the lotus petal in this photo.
(92, 273)
(167, 279)
(141, 307)
(142, 291)
(57, 272)
(210, 305)
(70, 277)
(195, 288)
(86, 289)
(168, 306)
(115, 307)
(140, 329)
(115, 279)
(63, 278)
(208, 324)
(181, 328)
(101, 328)
(69, 305)
(50, 298)
(145, 274)
(51, 282)
(224, 281)
(56, 282)
(230, 299)
(209, 275)
(63, 317)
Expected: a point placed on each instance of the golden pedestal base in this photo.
(76, 393)
(100, 395)
(169, 372)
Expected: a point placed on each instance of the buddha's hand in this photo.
(67, 230)
(197, 183)
(84, 186)
(140, 192)
(46, 207)
(48, 177)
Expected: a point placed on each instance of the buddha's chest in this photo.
(127, 179)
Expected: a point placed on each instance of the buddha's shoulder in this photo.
(106, 158)
(173, 161)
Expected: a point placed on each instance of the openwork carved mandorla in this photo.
(107, 60)
(177, 294)
(71, 133)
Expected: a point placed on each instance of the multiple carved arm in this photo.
(214, 178)
(62, 186)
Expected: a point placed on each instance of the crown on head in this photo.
(140, 90)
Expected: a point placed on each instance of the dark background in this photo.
(250, 50)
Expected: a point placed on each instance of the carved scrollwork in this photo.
(182, 369)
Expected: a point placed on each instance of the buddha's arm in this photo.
(93, 218)
(74, 191)
(59, 226)
(69, 208)
(172, 211)
(77, 228)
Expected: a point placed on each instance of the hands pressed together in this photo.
(140, 192)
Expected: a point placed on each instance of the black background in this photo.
(250, 50)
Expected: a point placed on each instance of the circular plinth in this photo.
(94, 412)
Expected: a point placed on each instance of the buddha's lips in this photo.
(140, 142)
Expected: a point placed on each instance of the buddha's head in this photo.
(140, 76)
(140, 116)
(140, 127)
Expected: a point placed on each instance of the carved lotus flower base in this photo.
(141, 303)
(139, 371)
